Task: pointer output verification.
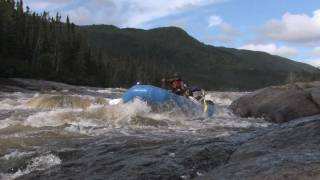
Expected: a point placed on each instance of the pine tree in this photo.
(39, 46)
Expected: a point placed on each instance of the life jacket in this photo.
(178, 84)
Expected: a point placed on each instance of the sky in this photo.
(287, 28)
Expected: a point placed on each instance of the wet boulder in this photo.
(288, 152)
(280, 103)
(315, 94)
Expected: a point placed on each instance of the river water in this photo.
(80, 135)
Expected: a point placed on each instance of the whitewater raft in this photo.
(160, 98)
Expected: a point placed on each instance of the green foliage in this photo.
(39, 46)
(172, 49)
(303, 77)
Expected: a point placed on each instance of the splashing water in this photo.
(72, 112)
(33, 121)
(35, 164)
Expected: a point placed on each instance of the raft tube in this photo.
(158, 97)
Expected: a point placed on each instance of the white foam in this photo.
(134, 108)
(115, 101)
(12, 101)
(50, 118)
(16, 154)
(7, 104)
(11, 104)
(7, 123)
(36, 164)
(102, 91)
(107, 90)
(224, 98)
(115, 116)
(102, 117)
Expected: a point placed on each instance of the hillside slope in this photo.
(203, 65)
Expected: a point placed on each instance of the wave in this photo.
(94, 114)
(39, 163)
(62, 101)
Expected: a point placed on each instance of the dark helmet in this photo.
(176, 75)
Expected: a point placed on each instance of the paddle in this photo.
(205, 105)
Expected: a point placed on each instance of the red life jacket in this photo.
(178, 84)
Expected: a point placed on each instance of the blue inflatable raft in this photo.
(159, 98)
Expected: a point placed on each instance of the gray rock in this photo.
(315, 94)
(287, 153)
(280, 103)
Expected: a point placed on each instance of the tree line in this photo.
(303, 77)
(43, 46)
(37, 45)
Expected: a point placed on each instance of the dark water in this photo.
(79, 135)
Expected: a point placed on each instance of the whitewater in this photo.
(84, 133)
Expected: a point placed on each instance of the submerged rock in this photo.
(280, 103)
(289, 152)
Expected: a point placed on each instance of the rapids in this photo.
(63, 134)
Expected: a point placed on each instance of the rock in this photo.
(289, 152)
(280, 103)
(138, 159)
(315, 94)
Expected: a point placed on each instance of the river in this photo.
(78, 134)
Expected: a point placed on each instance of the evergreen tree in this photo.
(39, 46)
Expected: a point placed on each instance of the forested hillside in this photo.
(34, 45)
(203, 65)
(39, 46)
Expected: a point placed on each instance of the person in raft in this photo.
(176, 84)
